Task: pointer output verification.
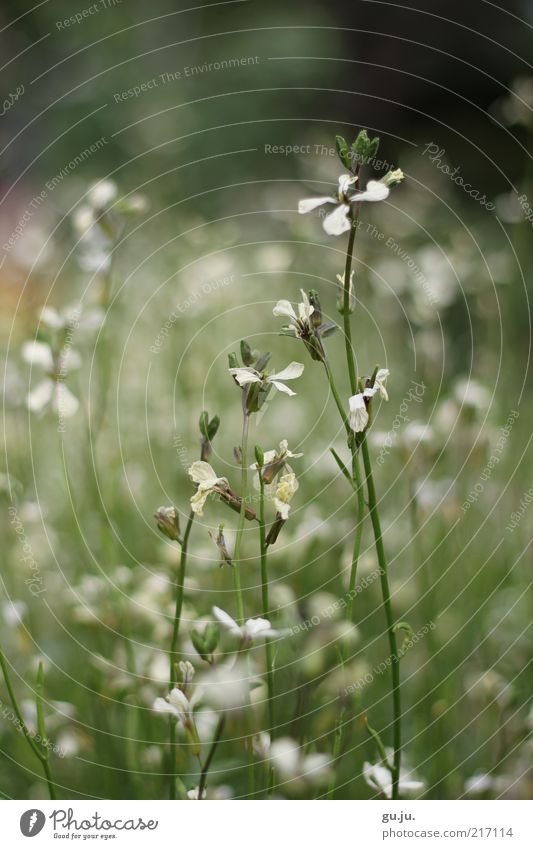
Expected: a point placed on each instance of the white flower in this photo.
(358, 417)
(478, 784)
(379, 777)
(102, 193)
(51, 392)
(286, 487)
(291, 764)
(300, 322)
(261, 744)
(71, 317)
(275, 456)
(338, 221)
(178, 705)
(246, 375)
(379, 382)
(194, 793)
(204, 475)
(253, 629)
(227, 686)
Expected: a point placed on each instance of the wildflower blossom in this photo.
(358, 416)
(379, 777)
(246, 375)
(252, 630)
(178, 705)
(301, 321)
(51, 391)
(291, 764)
(338, 221)
(274, 461)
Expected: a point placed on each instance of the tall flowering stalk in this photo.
(344, 218)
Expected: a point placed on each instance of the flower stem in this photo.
(346, 308)
(385, 590)
(173, 650)
(242, 516)
(43, 758)
(179, 600)
(210, 755)
(266, 604)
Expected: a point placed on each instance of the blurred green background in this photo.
(445, 304)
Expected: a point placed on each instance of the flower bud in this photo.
(364, 148)
(168, 522)
(246, 353)
(316, 315)
(259, 456)
(232, 360)
(205, 643)
(393, 177)
(343, 151)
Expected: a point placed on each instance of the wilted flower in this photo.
(245, 376)
(168, 522)
(379, 382)
(204, 475)
(252, 630)
(287, 486)
(338, 221)
(274, 461)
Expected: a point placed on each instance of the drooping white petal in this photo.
(198, 500)
(41, 396)
(284, 308)
(38, 354)
(162, 706)
(379, 382)
(281, 387)
(227, 621)
(243, 376)
(308, 204)
(290, 372)
(345, 181)
(375, 190)
(179, 700)
(337, 222)
(358, 413)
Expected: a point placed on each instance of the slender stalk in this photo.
(346, 308)
(210, 755)
(358, 534)
(172, 655)
(242, 517)
(385, 590)
(43, 758)
(266, 604)
(179, 599)
(376, 524)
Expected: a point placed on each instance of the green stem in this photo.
(210, 755)
(179, 600)
(385, 590)
(358, 535)
(25, 730)
(336, 752)
(242, 517)
(172, 656)
(346, 306)
(266, 604)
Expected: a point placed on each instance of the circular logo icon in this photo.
(32, 822)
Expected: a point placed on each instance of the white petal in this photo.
(245, 375)
(101, 194)
(290, 372)
(179, 700)
(162, 706)
(203, 473)
(284, 308)
(51, 318)
(358, 413)
(337, 222)
(226, 620)
(283, 508)
(64, 403)
(309, 204)
(281, 387)
(375, 190)
(198, 500)
(41, 396)
(38, 354)
(257, 626)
